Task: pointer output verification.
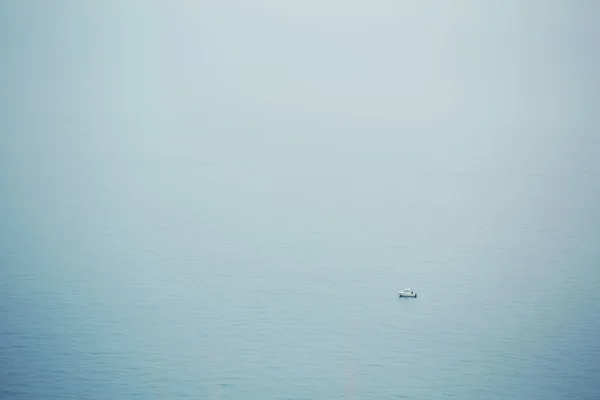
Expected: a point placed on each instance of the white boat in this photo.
(407, 293)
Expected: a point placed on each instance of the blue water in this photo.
(169, 277)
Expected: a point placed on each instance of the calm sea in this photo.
(167, 276)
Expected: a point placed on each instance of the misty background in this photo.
(222, 199)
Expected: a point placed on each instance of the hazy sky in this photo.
(461, 86)
(294, 77)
